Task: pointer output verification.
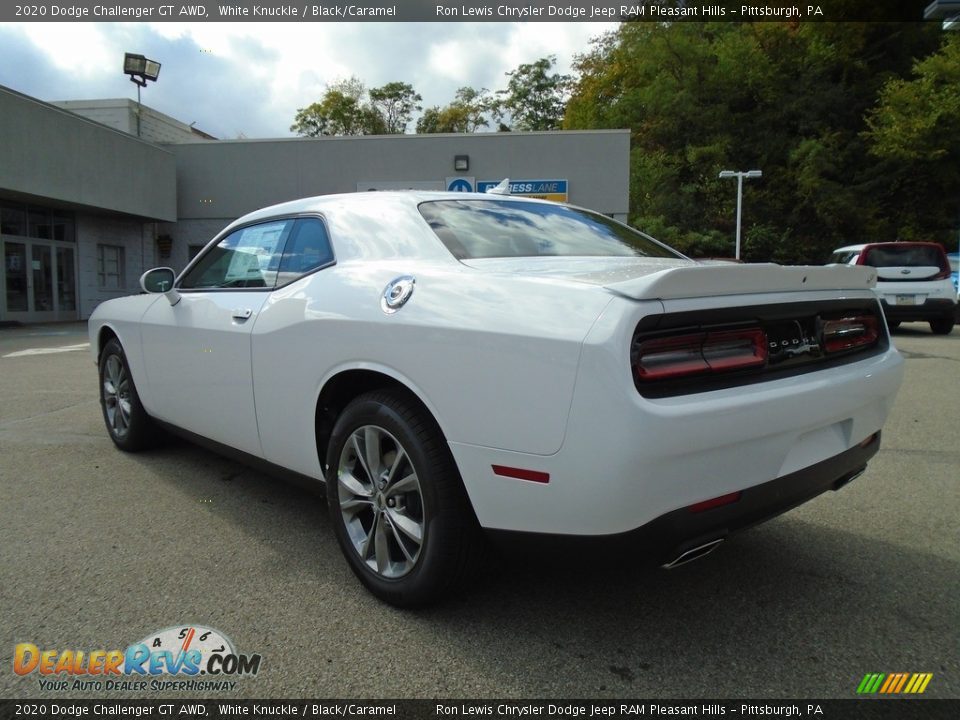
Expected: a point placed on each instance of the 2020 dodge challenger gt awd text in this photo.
(456, 365)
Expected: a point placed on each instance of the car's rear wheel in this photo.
(127, 422)
(397, 504)
(942, 326)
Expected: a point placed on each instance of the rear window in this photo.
(473, 229)
(905, 255)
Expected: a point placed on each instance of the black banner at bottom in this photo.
(879, 709)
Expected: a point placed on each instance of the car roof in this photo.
(410, 198)
(902, 243)
(396, 213)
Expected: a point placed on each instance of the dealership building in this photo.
(87, 205)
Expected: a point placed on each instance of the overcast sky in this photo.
(248, 79)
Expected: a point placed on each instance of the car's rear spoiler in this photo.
(712, 280)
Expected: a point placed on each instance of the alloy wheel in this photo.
(381, 502)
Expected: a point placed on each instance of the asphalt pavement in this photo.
(99, 549)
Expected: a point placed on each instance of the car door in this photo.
(198, 351)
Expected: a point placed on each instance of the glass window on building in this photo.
(62, 226)
(66, 279)
(13, 220)
(37, 222)
(110, 267)
(39, 225)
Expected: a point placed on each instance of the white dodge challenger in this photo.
(458, 366)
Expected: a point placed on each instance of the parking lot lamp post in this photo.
(740, 176)
(140, 70)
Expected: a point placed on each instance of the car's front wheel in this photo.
(942, 326)
(397, 504)
(127, 422)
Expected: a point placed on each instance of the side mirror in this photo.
(160, 280)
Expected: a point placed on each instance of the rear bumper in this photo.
(627, 459)
(932, 309)
(670, 536)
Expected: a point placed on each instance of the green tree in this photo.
(787, 98)
(436, 120)
(341, 111)
(535, 97)
(919, 118)
(395, 102)
(466, 114)
(311, 121)
(915, 128)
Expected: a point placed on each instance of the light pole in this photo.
(949, 12)
(740, 176)
(140, 69)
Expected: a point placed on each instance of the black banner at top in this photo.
(477, 11)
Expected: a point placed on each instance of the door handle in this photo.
(242, 314)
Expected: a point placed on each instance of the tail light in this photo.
(944, 274)
(850, 332)
(703, 352)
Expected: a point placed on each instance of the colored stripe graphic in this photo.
(894, 683)
(891, 680)
(870, 683)
(903, 679)
(918, 683)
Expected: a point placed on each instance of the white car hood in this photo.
(667, 278)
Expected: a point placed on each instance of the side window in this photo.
(308, 249)
(843, 258)
(246, 258)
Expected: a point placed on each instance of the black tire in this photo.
(413, 490)
(893, 324)
(943, 326)
(128, 424)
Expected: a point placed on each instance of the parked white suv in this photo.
(913, 281)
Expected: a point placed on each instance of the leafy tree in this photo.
(915, 127)
(311, 121)
(466, 114)
(436, 120)
(919, 118)
(535, 98)
(788, 98)
(341, 111)
(395, 102)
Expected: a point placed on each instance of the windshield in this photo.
(502, 228)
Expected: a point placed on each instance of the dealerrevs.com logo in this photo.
(184, 657)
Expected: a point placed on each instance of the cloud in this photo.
(250, 78)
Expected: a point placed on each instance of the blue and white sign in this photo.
(460, 184)
(555, 190)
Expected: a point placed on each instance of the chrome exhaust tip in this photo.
(693, 554)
